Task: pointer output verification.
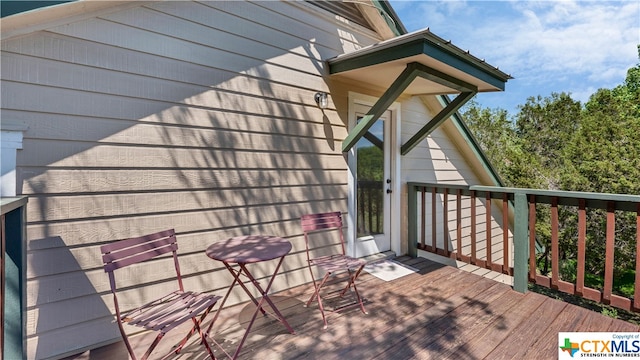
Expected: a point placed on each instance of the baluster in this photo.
(445, 222)
(380, 210)
(532, 238)
(554, 243)
(608, 261)
(459, 224)
(505, 234)
(423, 216)
(433, 221)
(488, 227)
(369, 227)
(473, 227)
(582, 236)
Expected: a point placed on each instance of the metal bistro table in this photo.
(243, 250)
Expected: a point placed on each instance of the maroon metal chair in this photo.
(330, 224)
(165, 313)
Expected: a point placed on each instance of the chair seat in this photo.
(337, 262)
(327, 225)
(170, 311)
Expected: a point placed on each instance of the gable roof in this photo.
(396, 25)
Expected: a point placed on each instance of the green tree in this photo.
(604, 156)
(545, 125)
(494, 131)
(556, 143)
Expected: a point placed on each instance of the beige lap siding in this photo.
(186, 115)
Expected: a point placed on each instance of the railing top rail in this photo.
(560, 193)
(440, 185)
(12, 203)
(597, 200)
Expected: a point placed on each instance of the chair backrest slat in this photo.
(322, 221)
(125, 243)
(131, 251)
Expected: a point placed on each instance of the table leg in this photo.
(258, 303)
(265, 294)
(264, 297)
(224, 299)
(236, 275)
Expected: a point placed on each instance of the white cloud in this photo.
(583, 44)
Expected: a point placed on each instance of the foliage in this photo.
(610, 312)
(370, 163)
(557, 143)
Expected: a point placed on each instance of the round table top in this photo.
(249, 249)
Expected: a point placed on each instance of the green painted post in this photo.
(441, 117)
(15, 292)
(520, 241)
(412, 235)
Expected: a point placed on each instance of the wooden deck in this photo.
(440, 312)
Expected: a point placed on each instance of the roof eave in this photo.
(411, 44)
(54, 15)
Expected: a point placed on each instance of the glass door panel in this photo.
(370, 174)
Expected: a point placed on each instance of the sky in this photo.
(548, 46)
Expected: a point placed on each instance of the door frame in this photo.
(394, 197)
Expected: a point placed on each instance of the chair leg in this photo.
(315, 288)
(194, 329)
(125, 339)
(203, 337)
(352, 282)
(153, 346)
(352, 279)
(355, 290)
(317, 296)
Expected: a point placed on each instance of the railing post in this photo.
(520, 241)
(412, 235)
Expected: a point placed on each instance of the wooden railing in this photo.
(495, 228)
(370, 212)
(13, 279)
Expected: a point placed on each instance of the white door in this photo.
(373, 186)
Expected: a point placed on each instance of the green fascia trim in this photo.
(8, 8)
(421, 46)
(443, 115)
(390, 16)
(399, 85)
(472, 142)
(397, 52)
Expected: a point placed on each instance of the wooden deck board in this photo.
(341, 340)
(483, 322)
(459, 309)
(528, 331)
(570, 320)
(439, 312)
